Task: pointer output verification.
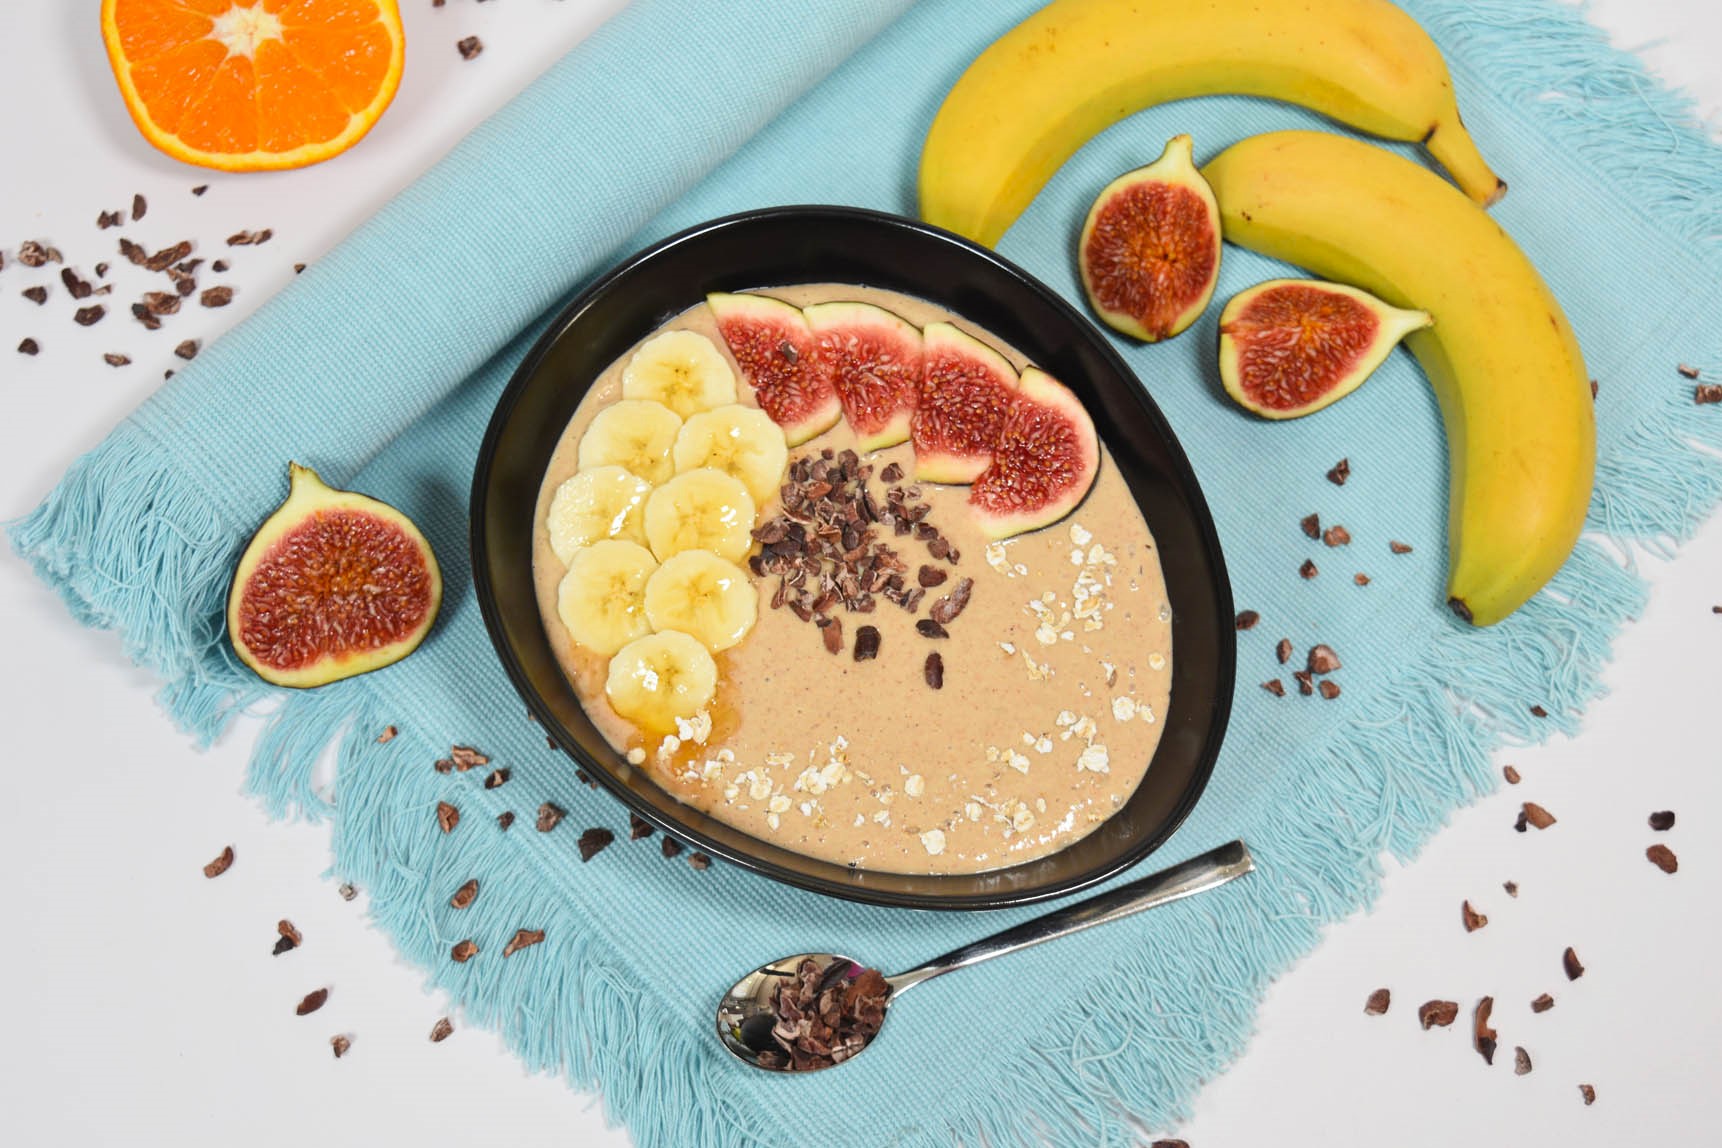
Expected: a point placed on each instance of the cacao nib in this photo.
(1663, 821)
(1275, 687)
(1543, 1003)
(1705, 394)
(1538, 816)
(216, 296)
(1570, 962)
(699, 861)
(934, 670)
(946, 609)
(1377, 1003)
(1687, 371)
(1340, 472)
(200, 189)
(139, 206)
(831, 633)
(249, 238)
(1322, 660)
(1539, 711)
(32, 253)
(441, 1030)
(505, 819)
(669, 847)
(1521, 1061)
(1399, 548)
(1311, 526)
(1588, 1093)
(109, 219)
(550, 815)
(893, 472)
(497, 778)
(313, 1001)
(76, 287)
(470, 47)
(593, 842)
(1360, 579)
(465, 895)
(291, 938)
(866, 643)
(1336, 536)
(37, 295)
(639, 827)
(1305, 683)
(928, 628)
(447, 816)
(187, 349)
(89, 316)
(1246, 620)
(168, 256)
(114, 359)
(1308, 569)
(464, 951)
(1283, 651)
(340, 1044)
(222, 863)
(1511, 774)
(347, 892)
(1329, 689)
(1484, 1035)
(1663, 858)
(931, 576)
(1437, 1013)
(523, 939)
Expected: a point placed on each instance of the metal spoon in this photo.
(745, 1018)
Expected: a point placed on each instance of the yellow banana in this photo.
(1073, 68)
(1506, 367)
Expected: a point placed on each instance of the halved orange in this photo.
(254, 85)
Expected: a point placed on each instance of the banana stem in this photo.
(1452, 146)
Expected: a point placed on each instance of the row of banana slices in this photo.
(654, 522)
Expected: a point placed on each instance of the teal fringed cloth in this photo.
(380, 365)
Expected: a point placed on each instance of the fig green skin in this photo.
(308, 494)
(1038, 389)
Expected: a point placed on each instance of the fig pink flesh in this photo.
(874, 360)
(1297, 343)
(779, 359)
(966, 390)
(1152, 254)
(1044, 461)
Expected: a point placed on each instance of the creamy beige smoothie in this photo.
(1055, 679)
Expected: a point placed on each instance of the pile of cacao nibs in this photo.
(825, 1016)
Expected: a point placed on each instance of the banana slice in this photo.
(602, 599)
(656, 679)
(701, 509)
(737, 440)
(606, 502)
(633, 434)
(702, 595)
(684, 370)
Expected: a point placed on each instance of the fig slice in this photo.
(966, 390)
(332, 585)
(778, 356)
(1150, 247)
(874, 358)
(1290, 347)
(1045, 459)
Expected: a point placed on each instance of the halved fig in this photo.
(1044, 460)
(966, 390)
(1150, 247)
(1290, 347)
(778, 356)
(874, 358)
(332, 585)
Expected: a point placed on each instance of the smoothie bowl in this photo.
(848, 552)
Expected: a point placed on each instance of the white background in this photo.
(141, 1004)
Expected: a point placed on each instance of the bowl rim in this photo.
(485, 592)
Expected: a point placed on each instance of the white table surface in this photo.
(141, 1004)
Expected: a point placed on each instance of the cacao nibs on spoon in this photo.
(550, 815)
(464, 951)
(593, 842)
(1432, 1014)
(523, 939)
(441, 1030)
(313, 1001)
(1378, 1002)
(639, 827)
(1483, 1034)
(290, 938)
(1473, 919)
(1543, 1003)
(222, 863)
(1570, 962)
(1662, 821)
(1663, 858)
(447, 816)
(1246, 620)
(465, 895)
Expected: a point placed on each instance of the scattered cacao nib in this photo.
(1336, 536)
(114, 359)
(1170, 1144)
(934, 670)
(892, 473)
(931, 576)
(1539, 711)
(1511, 774)
(168, 256)
(221, 864)
(465, 895)
(465, 757)
(1433, 1013)
(1663, 858)
(283, 945)
(109, 219)
(523, 939)
(1283, 651)
(1275, 687)
(867, 643)
(37, 295)
(340, 1044)
(298, 268)
(505, 819)
(1705, 394)
(464, 951)
(290, 937)
(639, 827)
(313, 1001)
(139, 206)
(32, 253)
(497, 777)
(1543, 1003)
(1340, 472)
(580, 775)
(1473, 919)
(200, 189)
(825, 1015)
(1483, 1035)
(1570, 962)
(216, 296)
(28, 346)
(77, 287)
(1322, 660)
(1538, 816)
(1521, 1060)
(347, 892)
(928, 628)
(249, 238)
(1663, 821)
(89, 316)
(1305, 683)
(470, 47)
(550, 815)
(1377, 1003)
(160, 302)
(220, 265)
(1308, 570)
(1246, 620)
(1329, 690)
(1520, 825)
(1512, 888)
(831, 633)
(1593, 389)
(389, 732)
(1310, 525)
(699, 861)
(447, 816)
(441, 1030)
(669, 847)
(142, 315)
(1399, 547)
(1689, 372)
(594, 841)
(444, 765)
(946, 609)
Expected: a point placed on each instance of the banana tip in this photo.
(1498, 194)
(1457, 605)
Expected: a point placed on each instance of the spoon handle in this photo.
(1198, 874)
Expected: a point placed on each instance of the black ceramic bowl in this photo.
(844, 245)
